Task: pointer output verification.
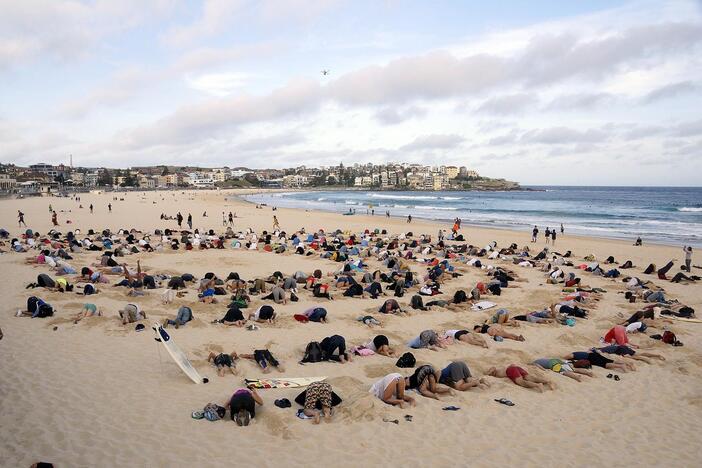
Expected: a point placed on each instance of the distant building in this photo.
(201, 179)
(7, 182)
(452, 172)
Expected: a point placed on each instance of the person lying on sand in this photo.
(88, 310)
(223, 361)
(427, 339)
(496, 330)
(184, 315)
(457, 376)
(596, 359)
(465, 336)
(426, 381)
(521, 377)
(264, 359)
(391, 390)
(574, 370)
(627, 352)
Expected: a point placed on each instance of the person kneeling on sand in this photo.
(496, 330)
(426, 380)
(234, 317)
(131, 313)
(184, 315)
(222, 361)
(89, 310)
(574, 370)
(457, 376)
(265, 313)
(242, 405)
(521, 377)
(391, 390)
(318, 401)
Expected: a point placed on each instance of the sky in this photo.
(541, 92)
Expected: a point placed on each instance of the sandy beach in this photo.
(99, 393)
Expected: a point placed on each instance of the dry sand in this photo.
(98, 393)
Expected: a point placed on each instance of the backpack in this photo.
(32, 302)
(214, 412)
(406, 360)
(670, 338)
(313, 352)
(417, 302)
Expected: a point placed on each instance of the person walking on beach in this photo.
(534, 233)
(109, 207)
(51, 209)
(688, 257)
(553, 237)
(20, 216)
(190, 221)
(231, 219)
(548, 234)
(562, 230)
(441, 235)
(409, 219)
(54, 218)
(224, 219)
(91, 208)
(179, 218)
(276, 225)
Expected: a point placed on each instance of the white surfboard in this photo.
(681, 319)
(177, 354)
(482, 305)
(290, 382)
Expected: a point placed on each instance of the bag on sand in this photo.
(214, 412)
(406, 360)
(313, 352)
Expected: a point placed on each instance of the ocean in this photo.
(664, 215)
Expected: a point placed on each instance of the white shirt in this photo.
(378, 388)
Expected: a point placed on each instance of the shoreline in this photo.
(443, 222)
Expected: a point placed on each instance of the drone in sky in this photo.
(325, 72)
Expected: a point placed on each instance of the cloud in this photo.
(508, 104)
(215, 17)
(431, 142)
(687, 129)
(562, 135)
(671, 90)
(579, 101)
(282, 140)
(396, 115)
(219, 84)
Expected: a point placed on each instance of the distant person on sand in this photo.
(409, 219)
(553, 237)
(638, 242)
(547, 234)
(534, 233)
(224, 219)
(109, 207)
(20, 216)
(276, 225)
(231, 219)
(190, 221)
(688, 257)
(562, 229)
(179, 219)
(521, 377)
(91, 208)
(54, 219)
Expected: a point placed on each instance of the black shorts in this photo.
(223, 360)
(242, 401)
(596, 359)
(459, 334)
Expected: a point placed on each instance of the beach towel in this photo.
(482, 305)
(282, 383)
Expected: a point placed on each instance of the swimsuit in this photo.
(515, 372)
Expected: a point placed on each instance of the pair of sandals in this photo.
(504, 401)
(408, 418)
(614, 376)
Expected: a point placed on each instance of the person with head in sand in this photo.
(464, 336)
(242, 405)
(264, 359)
(521, 377)
(131, 313)
(426, 381)
(318, 393)
(184, 315)
(457, 376)
(596, 359)
(233, 318)
(265, 313)
(496, 330)
(381, 345)
(223, 361)
(627, 352)
(89, 310)
(427, 339)
(574, 370)
(391, 390)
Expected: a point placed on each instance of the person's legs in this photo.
(522, 382)
(540, 380)
(572, 375)
(392, 390)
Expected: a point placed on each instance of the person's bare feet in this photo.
(266, 370)
(316, 418)
(540, 388)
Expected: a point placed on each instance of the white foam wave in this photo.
(690, 209)
(402, 197)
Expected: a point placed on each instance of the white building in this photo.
(201, 179)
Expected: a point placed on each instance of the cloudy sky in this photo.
(560, 92)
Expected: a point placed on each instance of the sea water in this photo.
(667, 215)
